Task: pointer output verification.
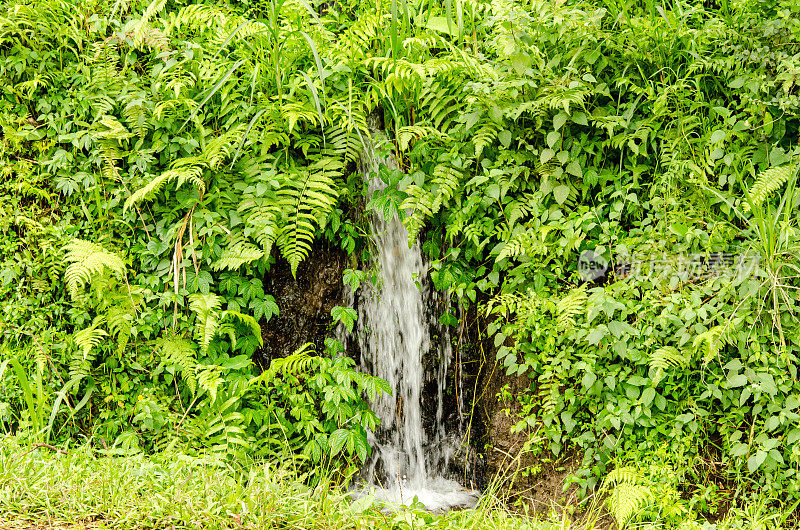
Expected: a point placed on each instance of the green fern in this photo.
(190, 169)
(87, 259)
(524, 243)
(120, 318)
(108, 138)
(209, 378)
(627, 496)
(307, 198)
(87, 341)
(768, 182)
(424, 203)
(709, 343)
(407, 135)
(420, 204)
(206, 308)
(179, 352)
(627, 499)
(183, 171)
(446, 181)
(261, 216)
(569, 307)
(136, 116)
(299, 363)
(247, 320)
(237, 254)
(485, 136)
(664, 358)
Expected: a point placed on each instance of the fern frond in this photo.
(181, 353)
(420, 204)
(446, 180)
(300, 112)
(194, 16)
(182, 172)
(442, 101)
(297, 364)
(569, 307)
(136, 116)
(522, 243)
(113, 129)
(486, 136)
(205, 307)
(424, 203)
(768, 182)
(664, 358)
(342, 142)
(621, 475)
(411, 133)
(120, 323)
(209, 378)
(711, 342)
(668, 356)
(627, 499)
(247, 320)
(87, 259)
(236, 255)
(307, 198)
(87, 341)
(261, 215)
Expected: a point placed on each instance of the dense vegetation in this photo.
(158, 158)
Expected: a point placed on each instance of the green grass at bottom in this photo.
(79, 488)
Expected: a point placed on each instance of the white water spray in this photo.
(393, 333)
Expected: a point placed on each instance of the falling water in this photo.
(393, 333)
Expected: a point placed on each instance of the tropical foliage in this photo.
(159, 159)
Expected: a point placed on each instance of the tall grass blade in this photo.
(213, 91)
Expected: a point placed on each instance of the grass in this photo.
(46, 487)
(171, 490)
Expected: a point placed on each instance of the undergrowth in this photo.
(159, 159)
(62, 487)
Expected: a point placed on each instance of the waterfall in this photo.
(394, 335)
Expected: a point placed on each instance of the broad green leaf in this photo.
(561, 193)
(755, 461)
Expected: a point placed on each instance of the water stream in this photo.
(393, 331)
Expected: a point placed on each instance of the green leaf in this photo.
(772, 423)
(596, 335)
(735, 381)
(353, 278)
(559, 120)
(561, 193)
(346, 315)
(574, 168)
(717, 136)
(443, 25)
(755, 461)
(739, 449)
(738, 82)
(569, 423)
(337, 440)
(794, 436)
(580, 118)
(648, 396)
(505, 138)
(362, 504)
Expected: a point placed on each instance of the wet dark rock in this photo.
(304, 303)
